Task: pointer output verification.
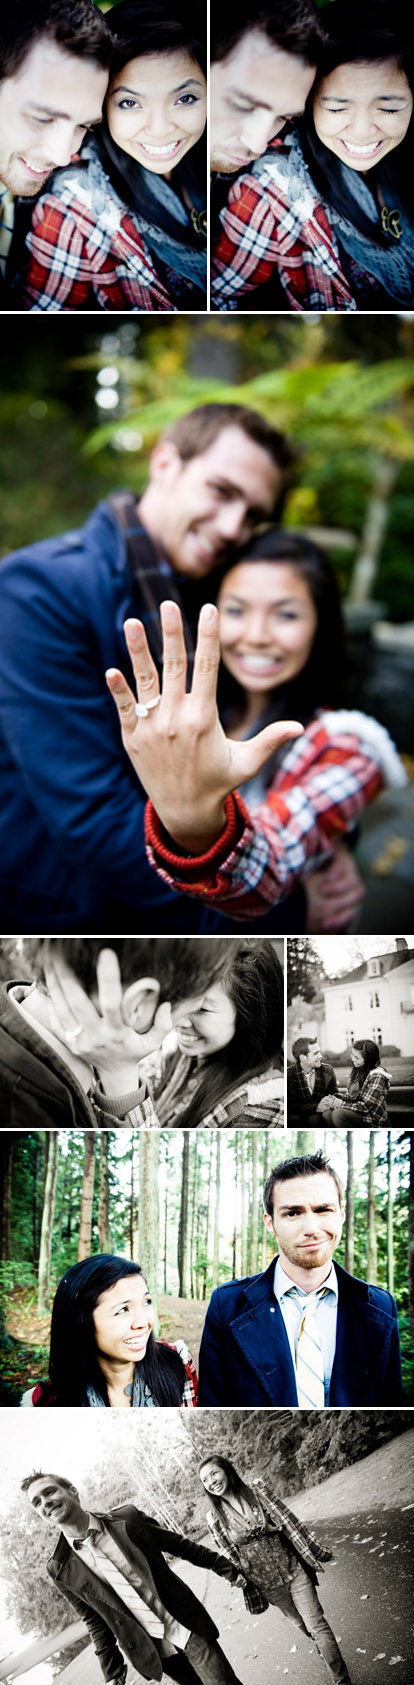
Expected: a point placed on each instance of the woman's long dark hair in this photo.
(73, 1362)
(371, 32)
(253, 980)
(322, 681)
(371, 1060)
(140, 30)
(235, 1481)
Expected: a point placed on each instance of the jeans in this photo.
(209, 1661)
(301, 1604)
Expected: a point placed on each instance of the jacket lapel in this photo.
(259, 1332)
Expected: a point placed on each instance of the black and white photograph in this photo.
(350, 1032)
(231, 1548)
(151, 1033)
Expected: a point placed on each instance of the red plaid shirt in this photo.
(325, 780)
(85, 246)
(275, 218)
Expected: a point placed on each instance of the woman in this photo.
(282, 647)
(102, 1349)
(124, 227)
(365, 1100)
(221, 1064)
(276, 1554)
(334, 198)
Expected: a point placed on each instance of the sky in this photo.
(342, 953)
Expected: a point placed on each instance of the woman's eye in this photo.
(129, 105)
(187, 99)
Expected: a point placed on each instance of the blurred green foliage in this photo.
(343, 390)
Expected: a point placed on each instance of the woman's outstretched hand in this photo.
(179, 751)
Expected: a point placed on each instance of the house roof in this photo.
(388, 962)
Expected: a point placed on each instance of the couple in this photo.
(91, 1043)
(112, 1570)
(312, 1087)
(101, 124)
(311, 128)
(81, 849)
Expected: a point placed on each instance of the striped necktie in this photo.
(310, 1379)
(6, 225)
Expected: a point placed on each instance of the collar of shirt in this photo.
(326, 1313)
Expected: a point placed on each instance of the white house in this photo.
(376, 1000)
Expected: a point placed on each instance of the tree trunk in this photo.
(410, 1234)
(166, 1218)
(103, 1195)
(265, 1175)
(183, 1224)
(47, 1226)
(148, 1211)
(194, 1199)
(243, 1205)
(350, 1205)
(305, 1141)
(372, 1238)
(7, 1143)
(208, 1211)
(390, 1218)
(216, 1242)
(254, 1216)
(85, 1223)
(366, 565)
(236, 1185)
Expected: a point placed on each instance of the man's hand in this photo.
(330, 1103)
(103, 1035)
(180, 753)
(333, 893)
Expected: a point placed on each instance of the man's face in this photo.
(52, 1500)
(214, 502)
(307, 1220)
(312, 1060)
(254, 93)
(45, 109)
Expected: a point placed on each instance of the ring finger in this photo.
(145, 672)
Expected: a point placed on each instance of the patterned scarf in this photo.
(142, 1398)
(152, 573)
(7, 208)
(392, 265)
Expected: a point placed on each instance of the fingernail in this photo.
(132, 628)
(208, 612)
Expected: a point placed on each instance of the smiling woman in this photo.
(334, 193)
(124, 227)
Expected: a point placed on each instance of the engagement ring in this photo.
(143, 708)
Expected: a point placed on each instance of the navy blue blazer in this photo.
(245, 1354)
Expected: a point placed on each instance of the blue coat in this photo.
(72, 846)
(245, 1354)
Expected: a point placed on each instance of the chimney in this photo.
(401, 943)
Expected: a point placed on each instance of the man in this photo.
(263, 67)
(305, 1332)
(72, 820)
(308, 1081)
(54, 62)
(113, 1571)
(72, 1041)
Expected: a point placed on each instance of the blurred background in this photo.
(82, 406)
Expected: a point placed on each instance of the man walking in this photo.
(304, 1332)
(113, 1571)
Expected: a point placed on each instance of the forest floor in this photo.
(366, 1515)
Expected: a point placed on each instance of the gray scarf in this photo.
(142, 1398)
(393, 265)
(185, 260)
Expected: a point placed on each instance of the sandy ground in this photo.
(366, 1515)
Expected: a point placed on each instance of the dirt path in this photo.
(182, 1319)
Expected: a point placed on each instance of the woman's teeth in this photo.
(361, 151)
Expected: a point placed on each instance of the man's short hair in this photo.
(43, 1474)
(296, 28)
(193, 433)
(302, 1045)
(75, 25)
(183, 966)
(309, 1164)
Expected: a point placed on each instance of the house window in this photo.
(349, 1038)
(373, 1001)
(348, 1003)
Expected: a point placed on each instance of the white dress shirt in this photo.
(325, 1316)
(139, 1592)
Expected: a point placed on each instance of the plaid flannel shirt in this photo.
(274, 218)
(43, 1394)
(325, 780)
(370, 1102)
(296, 1536)
(169, 1081)
(85, 245)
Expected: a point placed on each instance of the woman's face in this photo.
(357, 1057)
(362, 111)
(156, 109)
(267, 624)
(214, 1478)
(207, 1024)
(123, 1319)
